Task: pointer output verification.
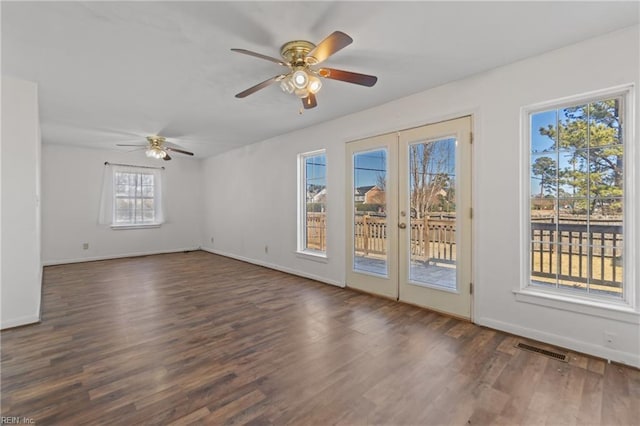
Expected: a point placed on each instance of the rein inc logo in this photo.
(16, 420)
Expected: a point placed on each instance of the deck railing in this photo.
(431, 238)
(574, 253)
(370, 235)
(577, 253)
(316, 231)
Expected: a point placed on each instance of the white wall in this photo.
(239, 184)
(21, 269)
(71, 200)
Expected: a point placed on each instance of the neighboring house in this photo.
(441, 193)
(320, 197)
(375, 195)
(538, 203)
(360, 192)
(314, 192)
(436, 197)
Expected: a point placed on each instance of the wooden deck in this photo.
(195, 338)
(430, 273)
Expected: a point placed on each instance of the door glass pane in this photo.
(432, 186)
(370, 243)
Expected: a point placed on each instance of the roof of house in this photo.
(361, 190)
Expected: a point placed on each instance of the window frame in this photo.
(301, 248)
(564, 298)
(156, 188)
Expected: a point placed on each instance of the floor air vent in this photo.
(551, 354)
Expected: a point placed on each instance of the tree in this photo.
(381, 181)
(591, 135)
(546, 168)
(430, 176)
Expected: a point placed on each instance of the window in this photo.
(312, 202)
(131, 197)
(134, 202)
(577, 197)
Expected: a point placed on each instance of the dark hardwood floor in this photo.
(195, 338)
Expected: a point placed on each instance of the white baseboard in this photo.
(275, 267)
(17, 322)
(115, 256)
(564, 342)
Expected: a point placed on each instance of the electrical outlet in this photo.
(266, 249)
(85, 246)
(609, 339)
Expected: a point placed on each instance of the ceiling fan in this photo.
(302, 78)
(158, 147)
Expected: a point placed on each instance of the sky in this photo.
(316, 170)
(368, 165)
(543, 146)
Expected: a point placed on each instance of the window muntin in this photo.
(312, 227)
(134, 200)
(576, 214)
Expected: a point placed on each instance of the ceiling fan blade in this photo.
(117, 132)
(123, 144)
(259, 86)
(310, 101)
(327, 47)
(166, 157)
(169, 144)
(261, 56)
(181, 151)
(348, 76)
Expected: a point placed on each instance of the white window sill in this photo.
(315, 256)
(614, 310)
(139, 226)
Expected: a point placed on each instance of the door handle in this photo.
(402, 225)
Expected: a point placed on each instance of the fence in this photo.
(370, 235)
(570, 252)
(316, 231)
(431, 239)
(577, 253)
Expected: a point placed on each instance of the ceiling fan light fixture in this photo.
(155, 152)
(300, 79)
(302, 93)
(287, 85)
(314, 85)
(155, 148)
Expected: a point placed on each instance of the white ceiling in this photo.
(110, 72)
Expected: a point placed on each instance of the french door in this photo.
(372, 209)
(409, 216)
